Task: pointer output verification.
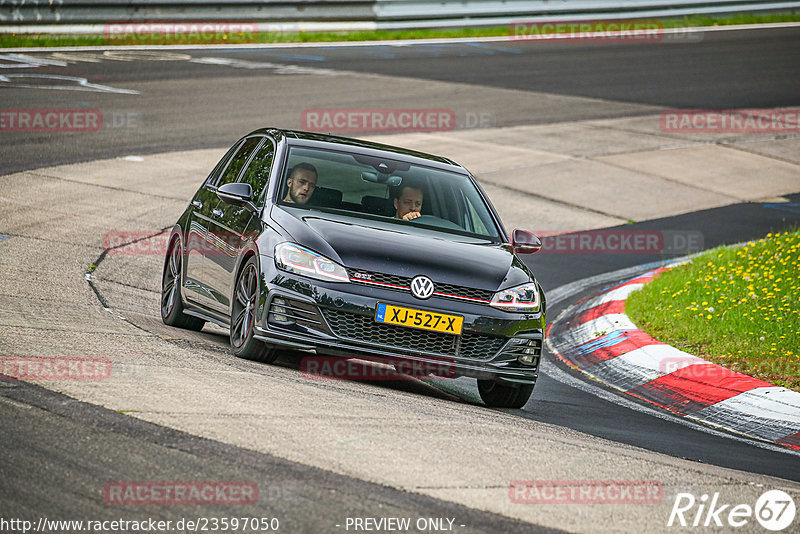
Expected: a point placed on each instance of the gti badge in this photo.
(421, 287)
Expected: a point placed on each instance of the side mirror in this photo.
(238, 194)
(525, 242)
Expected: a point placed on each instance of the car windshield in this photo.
(373, 187)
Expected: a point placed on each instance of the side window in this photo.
(214, 176)
(238, 161)
(257, 173)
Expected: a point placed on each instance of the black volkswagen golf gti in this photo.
(361, 250)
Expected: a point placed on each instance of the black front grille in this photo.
(405, 282)
(383, 278)
(363, 328)
(480, 347)
(462, 291)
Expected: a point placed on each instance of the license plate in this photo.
(438, 322)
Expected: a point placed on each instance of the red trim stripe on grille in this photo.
(393, 286)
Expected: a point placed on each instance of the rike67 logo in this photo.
(774, 510)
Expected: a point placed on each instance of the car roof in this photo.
(319, 140)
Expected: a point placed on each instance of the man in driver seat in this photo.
(408, 203)
(301, 183)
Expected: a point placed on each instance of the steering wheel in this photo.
(433, 220)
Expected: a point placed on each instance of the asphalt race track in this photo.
(57, 451)
(208, 98)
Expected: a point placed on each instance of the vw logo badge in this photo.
(422, 287)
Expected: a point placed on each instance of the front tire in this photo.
(243, 317)
(171, 303)
(498, 395)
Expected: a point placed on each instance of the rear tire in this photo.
(498, 395)
(171, 304)
(243, 317)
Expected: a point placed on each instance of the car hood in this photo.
(386, 247)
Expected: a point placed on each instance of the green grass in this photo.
(28, 40)
(738, 307)
(43, 40)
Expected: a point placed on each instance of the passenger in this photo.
(301, 182)
(408, 203)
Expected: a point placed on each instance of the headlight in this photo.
(299, 260)
(524, 298)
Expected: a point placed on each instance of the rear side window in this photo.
(257, 173)
(214, 176)
(238, 161)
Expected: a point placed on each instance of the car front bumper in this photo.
(338, 319)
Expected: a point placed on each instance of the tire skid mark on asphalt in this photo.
(94, 265)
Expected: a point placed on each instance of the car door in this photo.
(196, 233)
(230, 223)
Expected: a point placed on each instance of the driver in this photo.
(408, 203)
(302, 181)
